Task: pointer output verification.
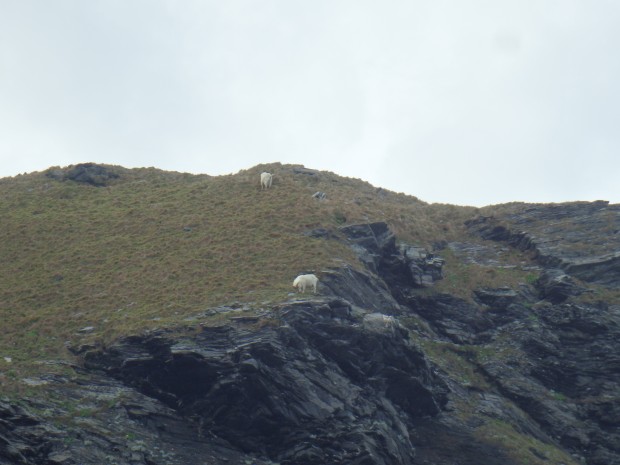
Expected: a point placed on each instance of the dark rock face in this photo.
(362, 289)
(557, 363)
(306, 171)
(106, 422)
(603, 270)
(372, 242)
(581, 238)
(317, 389)
(408, 265)
(377, 369)
(569, 379)
(556, 286)
(496, 298)
(23, 439)
(425, 267)
(87, 173)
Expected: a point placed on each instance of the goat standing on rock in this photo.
(265, 180)
(305, 280)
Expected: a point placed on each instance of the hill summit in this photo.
(150, 318)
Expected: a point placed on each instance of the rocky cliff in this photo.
(377, 368)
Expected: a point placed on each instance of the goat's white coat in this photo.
(304, 280)
(265, 180)
(380, 323)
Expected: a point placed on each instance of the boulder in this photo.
(376, 238)
(425, 268)
(90, 173)
(372, 242)
(556, 286)
(87, 173)
(499, 298)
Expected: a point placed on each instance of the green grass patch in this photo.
(523, 449)
(461, 279)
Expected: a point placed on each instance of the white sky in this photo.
(466, 102)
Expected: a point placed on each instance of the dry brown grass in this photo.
(461, 278)
(154, 248)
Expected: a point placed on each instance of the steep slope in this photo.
(120, 250)
(150, 321)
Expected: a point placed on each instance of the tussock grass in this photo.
(148, 250)
(461, 278)
(153, 248)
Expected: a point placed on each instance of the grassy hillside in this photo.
(154, 247)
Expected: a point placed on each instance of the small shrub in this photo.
(339, 217)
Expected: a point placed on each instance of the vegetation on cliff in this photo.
(157, 301)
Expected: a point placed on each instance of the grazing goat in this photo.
(304, 280)
(265, 180)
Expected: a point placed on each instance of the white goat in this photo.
(304, 280)
(380, 323)
(265, 180)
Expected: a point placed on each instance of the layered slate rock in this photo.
(373, 242)
(499, 298)
(95, 419)
(424, 266)
(562, 368)
(403, 266)
(23, 437)
(319, 388)
(556, 286)
(451, 317)
(581, 238)
(360, 288)
(375, 370)
(86, 173)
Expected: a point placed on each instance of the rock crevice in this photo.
(295, 392)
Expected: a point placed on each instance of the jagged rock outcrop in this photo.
(581, 238)
(87, 173)
(424, 266)
(457, 320)
(555, 362)
(360, 288)
(94, 419)
(373, 243)
(23, 438)
(377, 369)
(604, 269)
(409, 265)
(563, 371)
(498, 299)
(556, 286)
(315, 386)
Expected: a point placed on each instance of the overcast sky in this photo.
(466, 102)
